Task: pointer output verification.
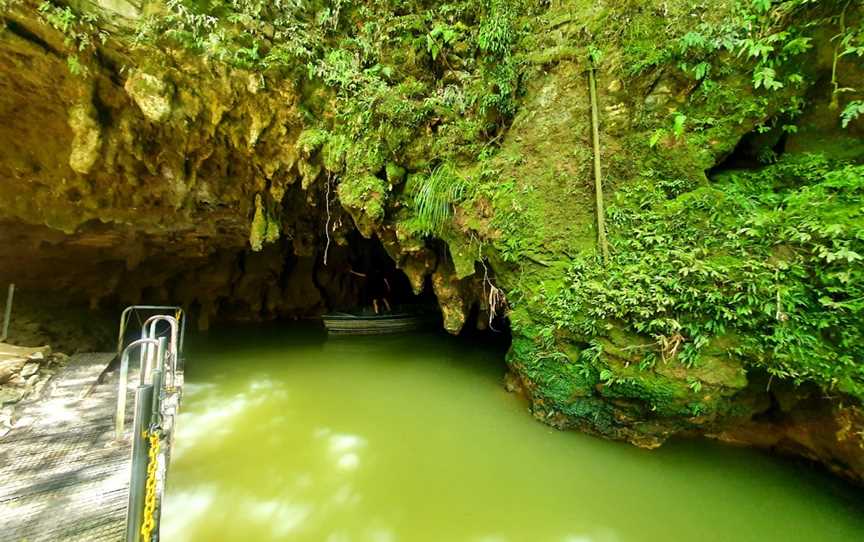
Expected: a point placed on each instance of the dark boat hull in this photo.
(351, 324)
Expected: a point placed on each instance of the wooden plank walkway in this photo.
(61, 475)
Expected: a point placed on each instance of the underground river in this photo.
(286, 435)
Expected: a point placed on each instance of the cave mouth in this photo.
(360, 277)
(69, 281)
(282, 283)
(755, 150)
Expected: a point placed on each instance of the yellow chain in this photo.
(149, 521)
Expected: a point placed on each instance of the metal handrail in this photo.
(159, 358)
(148, 330)
(149, 345)
(120, 415)
(124, 321)
(145, 396)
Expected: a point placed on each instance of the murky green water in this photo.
(287, 436)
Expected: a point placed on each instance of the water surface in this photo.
(285, 435)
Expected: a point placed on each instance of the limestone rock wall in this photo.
(158, 175)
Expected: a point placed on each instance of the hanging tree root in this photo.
(598, 183)
(498, 304)
(327, 225)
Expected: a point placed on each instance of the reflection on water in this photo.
(284, 435)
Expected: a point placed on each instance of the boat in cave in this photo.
(361, 323)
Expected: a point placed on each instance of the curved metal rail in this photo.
(148, 330)
(157, 398)
(180, 316)
(120, 414)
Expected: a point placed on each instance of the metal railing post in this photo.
(127, 312)
(145, 358)
(120, 415)
(160, 355)
(140, 457)
(149, 363)
(160, 358)
(182, 333)
(123, 320)
(7, 315)
(149, 330)
(157, 396)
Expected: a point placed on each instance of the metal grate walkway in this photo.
(61, 475)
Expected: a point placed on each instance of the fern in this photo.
(852, 112)
(496, 33)
(435, 196)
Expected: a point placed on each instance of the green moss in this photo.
(770, 257)
(366, 194)
(558, 380)
(377, 74)
(395, 173)
(464, 257)
(264, 229)
(312, 139)
(334, 153)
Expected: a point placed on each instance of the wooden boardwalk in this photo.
(61, 475)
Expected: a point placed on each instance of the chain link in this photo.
(149, 521)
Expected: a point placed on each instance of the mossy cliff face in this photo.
(213, 155)
(712, 301)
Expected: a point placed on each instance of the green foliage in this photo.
(5, 5)
(655, 138)
(312, 139)
(75, 66)
(371, 54)
(772, 39)
(441, 36)
(365, 193)
(380, 76)
(434, 197)
(852, 111)
(771, 46)
(82, 32)
(848, 41)
(496, 33)
(776, 35)
(62, 19)
(496, 37)
(776, 43)
(678, 122)
(694, 384)
(335, 151)
(771, 260)
(765, 77)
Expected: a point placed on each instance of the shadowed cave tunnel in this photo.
(69, 282)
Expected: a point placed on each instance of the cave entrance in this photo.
(221, 281)
(756, 149)
(360, 277)
(297, 278)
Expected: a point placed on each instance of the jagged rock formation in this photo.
(151, 178)
(136, 170)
